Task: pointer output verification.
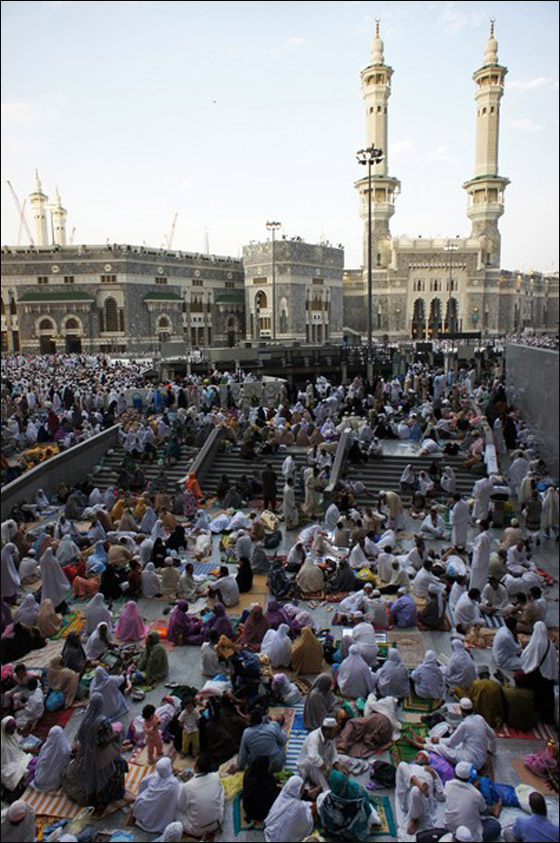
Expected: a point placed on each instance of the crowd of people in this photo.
(84, 567)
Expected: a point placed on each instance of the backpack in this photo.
(272, 540)
(383, 774)
(54, 701)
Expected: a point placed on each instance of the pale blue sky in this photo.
(232, 113)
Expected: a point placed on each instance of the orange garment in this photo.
(82, 587)
(192, 485)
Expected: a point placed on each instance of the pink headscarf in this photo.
(131, 627)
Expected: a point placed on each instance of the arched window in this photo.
(46, 325)
(261, 300)
(418, 320)
(72, 325)
(163, 323)
(111, 315)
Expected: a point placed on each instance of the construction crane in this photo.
(168, 239)
(21, 214)
(20, 227)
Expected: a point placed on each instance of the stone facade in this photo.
(308, 280)
(118, 298)
(420, 286)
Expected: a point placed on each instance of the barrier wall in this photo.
(70, 466)
(532, 385)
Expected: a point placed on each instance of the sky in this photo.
(234, 113)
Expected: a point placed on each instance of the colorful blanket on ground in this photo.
(410, 645)
(337, 596)
(382, 805)
(73, 622)
(312, 595)
(203, 568)
(38, 659)
(548, 578)
(57, 804)
(541, 732)
(415, 703)
(403, 751)
(50, 719)
(297, 737)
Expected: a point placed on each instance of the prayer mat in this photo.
(289, 716)
(337, 596)
(415, 703)
(50, 719)
(38, 659)
(232, 784)
(246, 600)
(295, 743)
(73, 622)
(548, 578)
(382, 805)
(403, 751)
(409, 644)
(527, 777)
(541, 732)
(312, 595)
(203, 568)
(41, 824)
(239, 822)
(480, 637)
(159, 625)
(493, 621)
(303, 685)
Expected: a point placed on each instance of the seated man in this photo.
(418, 789)
(202, 800)
(318, 755)
(433, 526)
(465, 806)
(467, 611)
(403, 610)
(495, 599)
(225, 588)
(262, 738)
(535, 827)
(506, 649)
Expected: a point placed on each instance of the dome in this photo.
(377, 48)
(491, 51)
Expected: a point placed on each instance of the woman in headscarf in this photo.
(10, 581)
(283, 691)
(278, 583)
(276, 615)
(126, 523)
(307, 653)
(27, 612)
(192, 486)
(277, 646)
(63, 679)
(158, 800)
(460, 671)
(219, 621)
(153, 663)
(8, 529)
(95, 776)
(392, 678)
(73, 655)
(260, 789)
(55, 583)
(98, 642)
(345, 809)
(429, 683)
(18, 823)
(221, 729)
(290, 819)
(110, 582)
(254, 629)
(223, 487)
(202, 521)
(364, 638)
(48, 622)
(159, 552)
(244, 576)
(158, 531)
(96, 612)
(407, 480)
(110, 688)
(51, 761)
(310, 578)
(130, 626)
(320, 702)
(148, 522)
(362, 737)
(151, 585)
(184, 628)
(299, 618)
(67, 551)
(170, 579)
(13, 759)
(177, 540)
(355, 678)
(539, 671)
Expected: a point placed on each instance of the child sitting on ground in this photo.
(152, 732)
(189, 719)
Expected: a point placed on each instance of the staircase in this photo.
(385, 473)
(105, 474)
(229, 462)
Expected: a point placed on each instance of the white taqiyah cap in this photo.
(463, 770)
(329, 723)
(463, 834)
(464, 702)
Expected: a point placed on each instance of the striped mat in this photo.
(203, 568)
(295, 743)
(493, 621)
(541, 732)
(57, 804)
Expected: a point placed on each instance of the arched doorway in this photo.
(163, 329)
(452, 316)
(261, 303)
(434, 322)
(47, 330)
(72, 340)
(231, 330)
(419, 320)
(111, 313)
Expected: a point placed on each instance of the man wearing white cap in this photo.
(418, 790)
(318, 754)
(466, 807)
(470, 742)
(462, 835)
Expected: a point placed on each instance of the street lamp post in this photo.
(450, 247)
(369, 157)
(273, 228)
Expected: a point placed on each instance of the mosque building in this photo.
(422, 287)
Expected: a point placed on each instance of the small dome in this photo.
(377, 48)
(491, 51)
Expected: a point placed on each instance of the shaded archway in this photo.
(231, 331)
(419, 320)
(435, 321)
(452, 316)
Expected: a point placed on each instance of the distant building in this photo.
(117, 298)
(308, 288)
(423, 286)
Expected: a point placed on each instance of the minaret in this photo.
(38, 202)
(59, 221)
(376, 90)
(486, 189)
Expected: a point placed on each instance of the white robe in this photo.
(460, 516)
(482, 490)
(277, 646)
(471, 741)
(55, 583)
(412, 804)
(480, 561)
(506, 650)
